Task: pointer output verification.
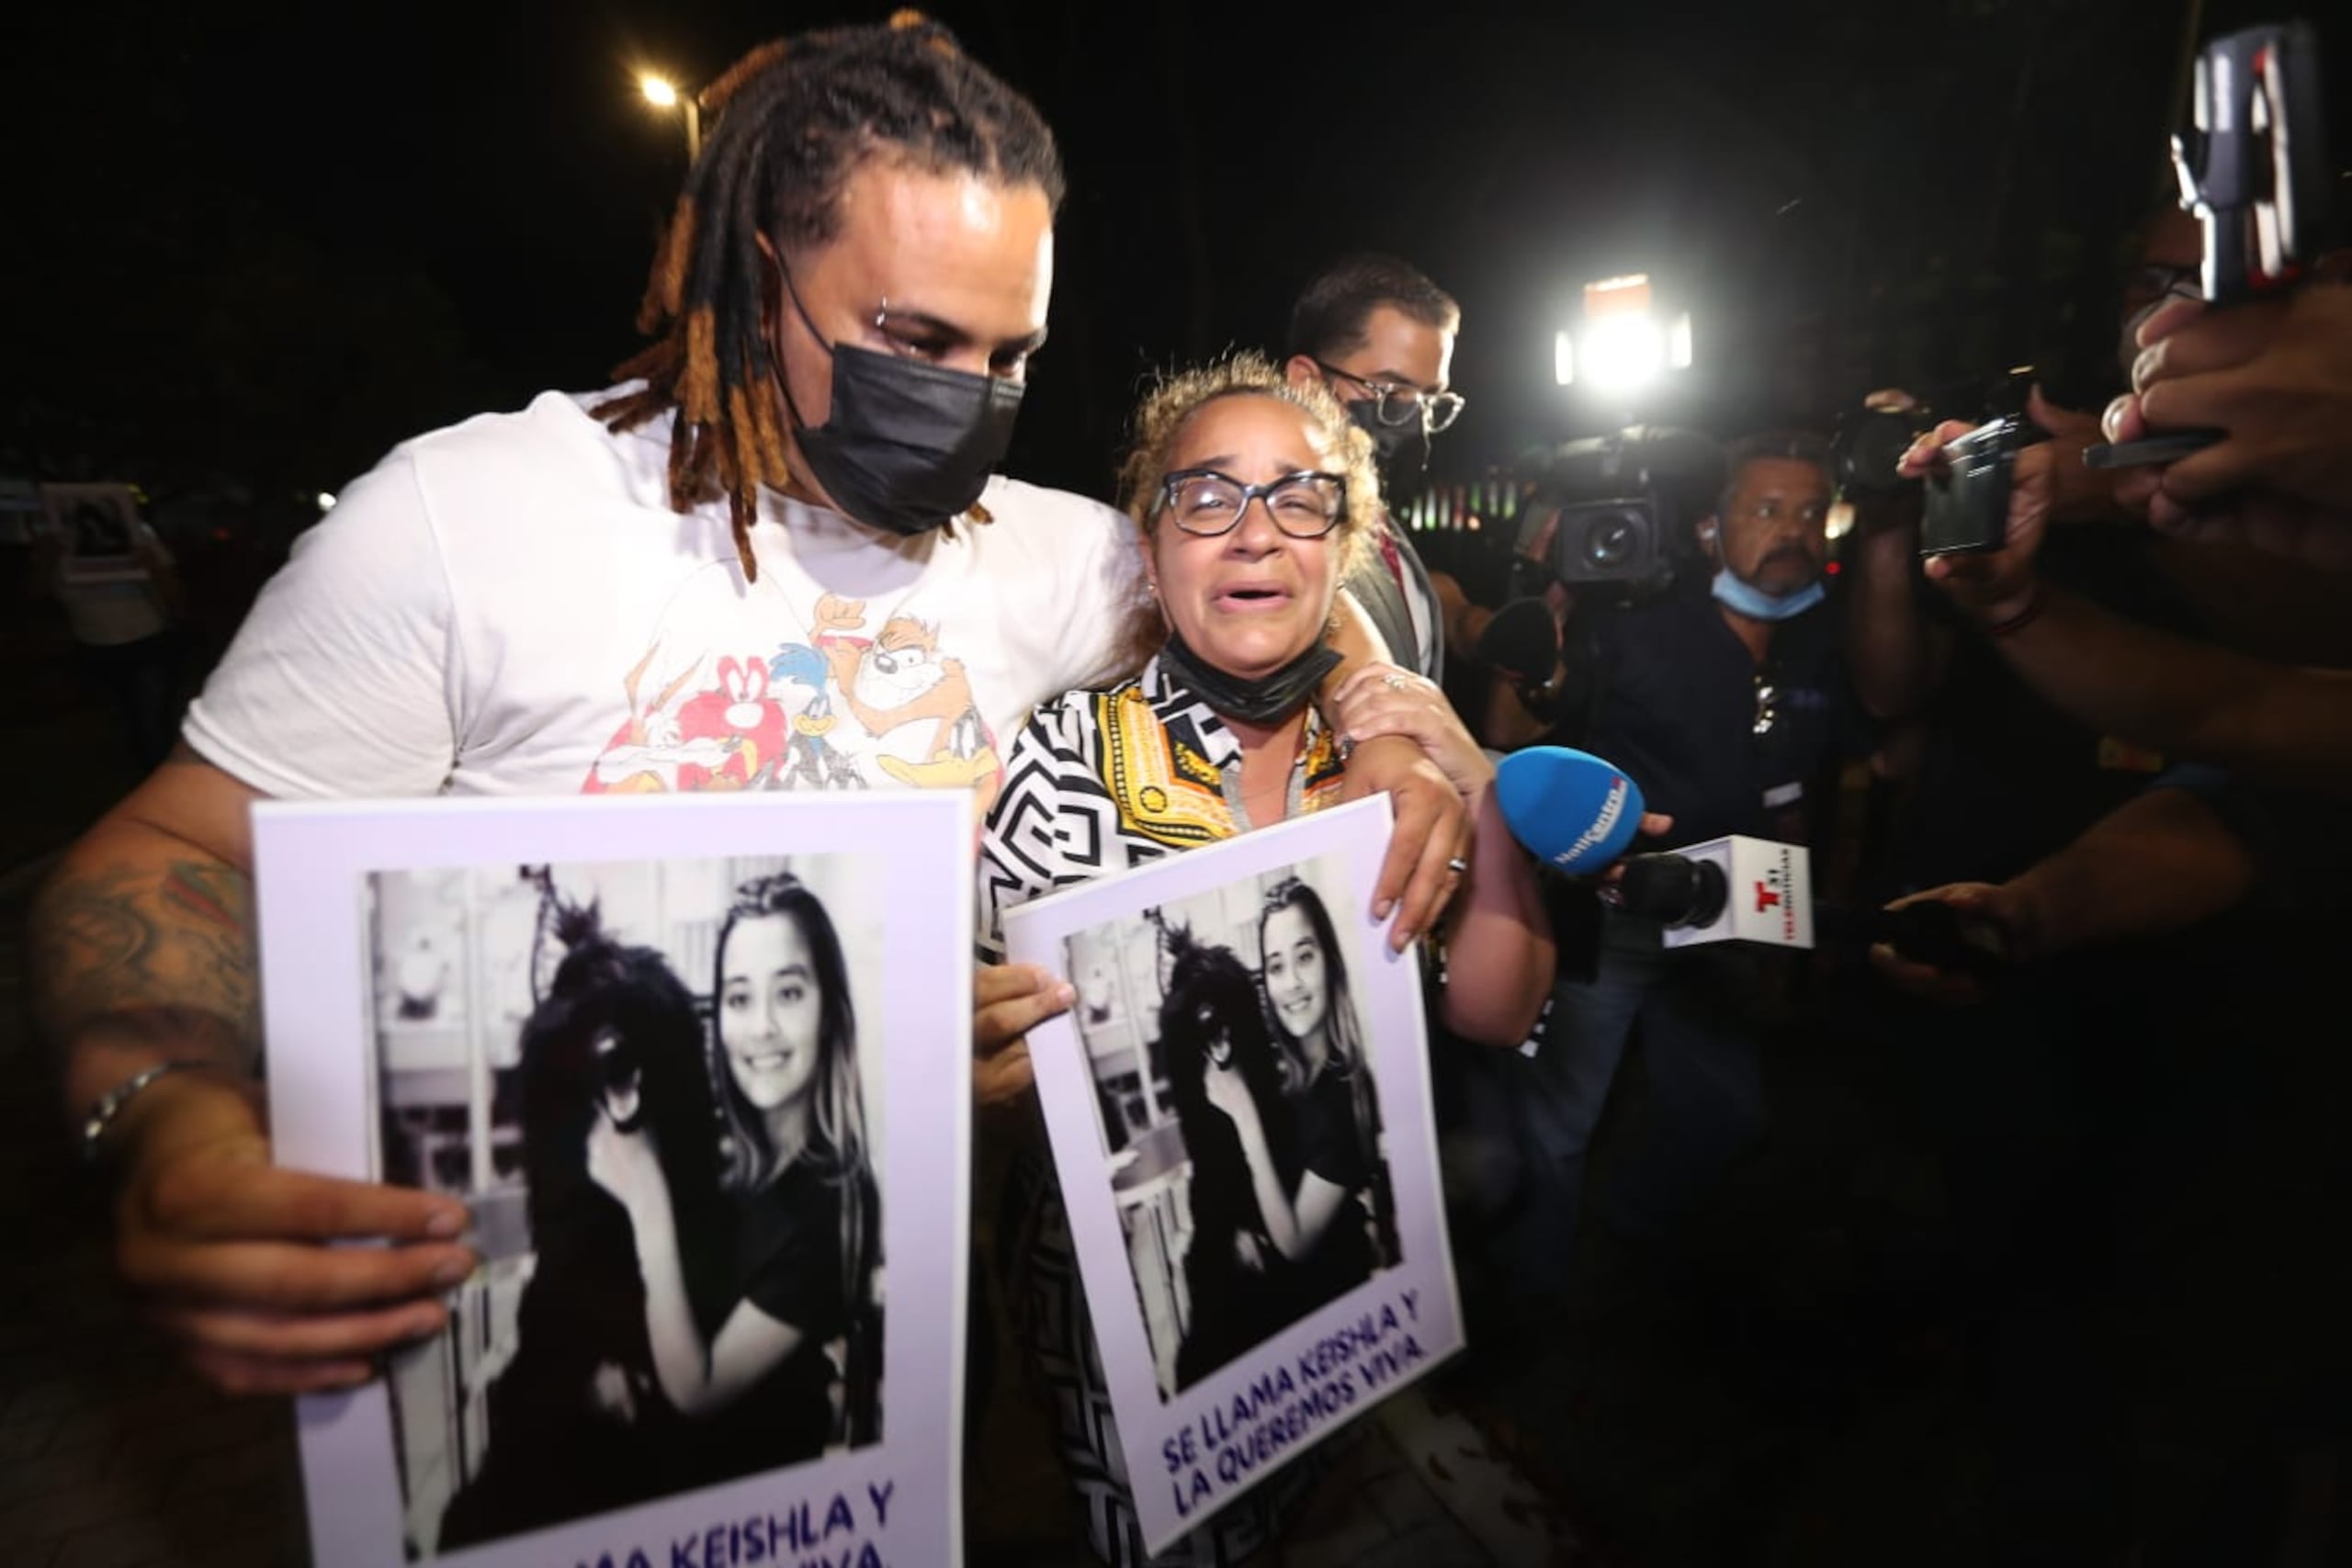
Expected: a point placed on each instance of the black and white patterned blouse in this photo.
(1099, 782)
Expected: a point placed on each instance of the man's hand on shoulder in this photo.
(1432, 830)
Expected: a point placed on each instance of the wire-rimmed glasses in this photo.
(1396, 402)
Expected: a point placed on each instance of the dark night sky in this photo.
(380, 227)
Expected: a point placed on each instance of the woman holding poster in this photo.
(761, 1387)
(1253, 495)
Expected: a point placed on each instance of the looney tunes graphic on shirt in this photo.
(863, 699)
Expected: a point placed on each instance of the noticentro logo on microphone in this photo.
(1612, 807)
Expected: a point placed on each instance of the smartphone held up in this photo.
(2254, 168)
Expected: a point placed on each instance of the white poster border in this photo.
(1174, 1449)
(902, 1491)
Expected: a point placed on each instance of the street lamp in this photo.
(661, 94)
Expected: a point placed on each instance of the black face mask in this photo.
(1266, 700)
(1402, 451)
(905, 448)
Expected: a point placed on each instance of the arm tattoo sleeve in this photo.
(144, 957)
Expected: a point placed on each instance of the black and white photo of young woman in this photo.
(1256, 1189)
(687, 1288)
(786, 1361)
(1340, 1217)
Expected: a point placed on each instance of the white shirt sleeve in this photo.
(342, 680)
(1102, 597)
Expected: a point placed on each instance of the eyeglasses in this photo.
(1303, 505)
(1397, 403)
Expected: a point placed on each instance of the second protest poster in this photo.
(1240, 1110)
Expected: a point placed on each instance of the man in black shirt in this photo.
(1724, 699)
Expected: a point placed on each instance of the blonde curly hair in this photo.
(1160, 418)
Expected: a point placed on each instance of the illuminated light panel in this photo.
(1622, 351)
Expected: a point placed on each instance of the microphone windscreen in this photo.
(1573, 811)
(1522, 640)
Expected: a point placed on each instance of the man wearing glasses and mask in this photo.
(1380, 335)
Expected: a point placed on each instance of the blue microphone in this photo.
(1573, 811)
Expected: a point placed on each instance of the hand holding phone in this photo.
(2254, 168)
(1954, 945)
(1967, 507)
(1933, 932)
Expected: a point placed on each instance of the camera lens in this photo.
(1610, 539)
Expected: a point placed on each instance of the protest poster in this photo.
(100, 529)
(696, 1064)
(1239, 1106)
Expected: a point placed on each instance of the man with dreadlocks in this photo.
(623, 591)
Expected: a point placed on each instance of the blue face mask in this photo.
(1744, 598)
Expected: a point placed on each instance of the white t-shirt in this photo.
(509, 606)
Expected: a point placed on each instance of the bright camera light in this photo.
(1622, 351)
(326, 502)
(1621, 343)
(657, 93)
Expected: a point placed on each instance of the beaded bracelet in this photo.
(111, 1103)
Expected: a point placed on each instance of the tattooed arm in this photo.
(143, 953)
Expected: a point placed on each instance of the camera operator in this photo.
(1724, 698)
(1725, 695)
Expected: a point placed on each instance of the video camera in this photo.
(1867, 443)
(1620, 508)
